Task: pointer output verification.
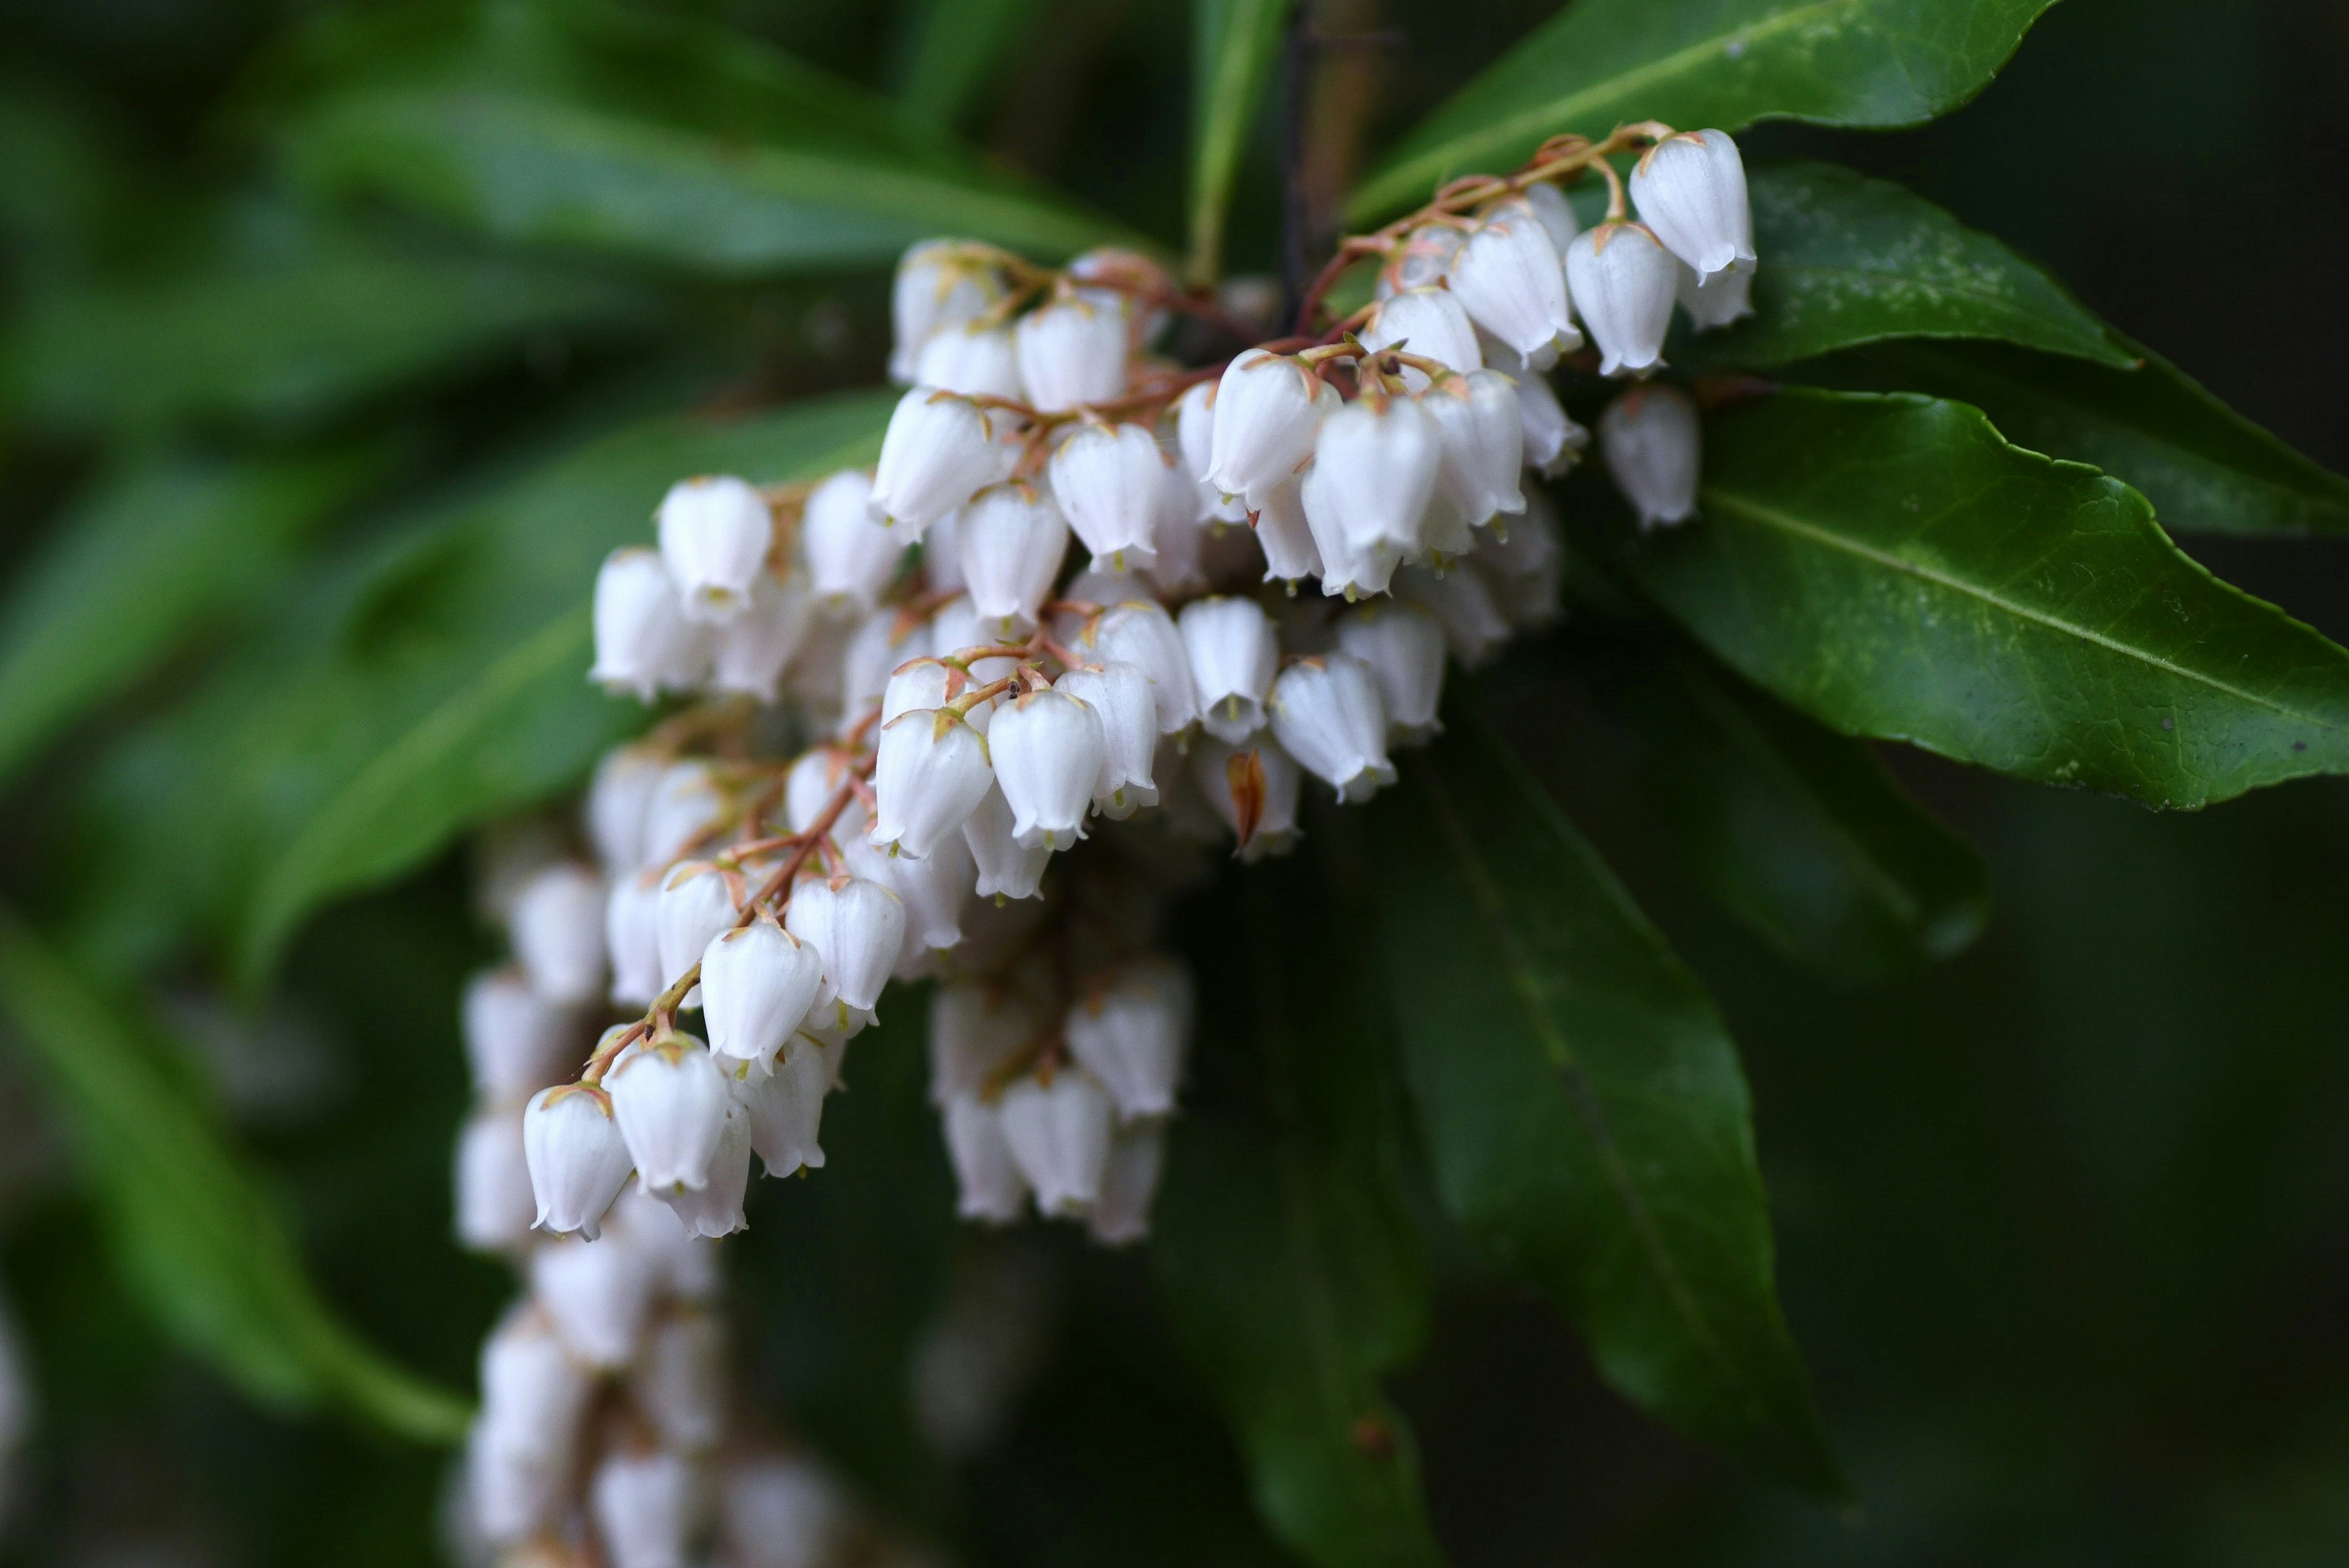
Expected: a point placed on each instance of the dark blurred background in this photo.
(2063, 1225)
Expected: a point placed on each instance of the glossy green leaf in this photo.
(1893, 566)
(1288, 1263)
(1849, 260)
(1798, 831)
(191, 1230)
(1582, 1105)
(161, 545)
(576, 125)
(2204, 466)
(951, 50)
(1234, 46)
(1699, 63)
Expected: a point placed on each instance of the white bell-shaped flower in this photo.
(1481, 439)
(925, 683)
(558, 933)
(715, 532)
(757, 983)
(1378, 459)
(939, 284)
(695, 906)
(855, 926)
(1473, 626)
(619, 798)
(1552, 441)
(494, 1203)
(1402, 645)
(939, 451)
(1725, 297)
(1284, 532)
(1072, 354)
(1624, 282)
(1048, 748)
(880, 643)
(644, 643)
(786, 1107)
(648, 1508)
(993, 1188)
(533, 1394)
(1012, 539)
(681, 1380)
(973, 360)
(1109, 481)
(681, 1265)
(1356, 573)
(1132, 1035)
(1690, 190)
(1419, 259)
(1144, 282)
(942, 554)
(1137, 1154)
(510, 1495)
(1006, 868)
(578, 1160)
(748, 654)
(1120, 694)
(1179, 537)
(1059, 1137)
(1652, 441)
(715, 1207)
(1327, 714)
(670, 1100)
(814, 784)
(849, 556)
(930, 773)
(1194, 434)
(780, 1512)
(632, 937)
(975, 1029)
(1254, 789)
(1524, 572)
(599, 1296)
(1234, 656)
(1431, 323)
(1268, 410)
(688, 803)
(1511, 280)
(1141, 633)
(516, 1040)
(933, 890)
(1550, 208)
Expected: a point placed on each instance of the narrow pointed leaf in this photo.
(1894, 568)
(951, 50)
(1699, 63)
(1583, 1105)
(1234, 46)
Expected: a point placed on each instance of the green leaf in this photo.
(2203, 466)
(1798, 831)
(1234, 45)
(161, 545)
(1893, 566)
(951, 50)
(694, 146)
(1702, 64)
(1583, 1105)
(1289, 1262)
(1848, 260)
(192, 1235)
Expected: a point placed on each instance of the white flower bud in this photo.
(973, 360)
(748, 653)
(1552, 441)
(1651, 438)
(786, 1107)
(939, 283)
(1402, 645)
(878, 647)
(1143, 279)
(1013, 539)
(578, 1161)
(1724, 297)
(515, 1039)
(1141, 633)
(1195, 433)
(1072, 354)
(619, 798)
(715, 532)
(757, 983)
(938, 451)
(1624, 282)
(933, 890)
(1524, 566)
(1047, 747)
(992, 1187)
(815, 780)
(1120, 694)
(1345, 569)
(1472, 624)
(1234, 656)
(779, 1512)
(679, 1262)
(648, 1508)
(496, 1206)
(1180, 534)
(1480, 437)
(597, 1295)
(1137, 1154)
(1421, 260)
(1375, 465)
(715, 1207)
(1132, 1035)
(1511, 280)
(924, 683)
(632, 936)
(687, 803)
(1268, 409)
(1431, 323)
(534, 1394)
(1109, 481)
(558, 933)
(695, 906)
(670, 1100)
(976, 1027)
(930, 773)
(1691, 190)
(849, 556)
(1007, 868)
(942, 554)
(1058, 1138)
(1326, 714)
(1284, 532)
(1554, 213)
(511, 1495)
(644, 644)
(1263, 782)
(680, 1381)
(856, 927)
